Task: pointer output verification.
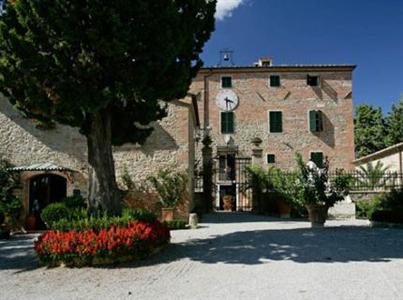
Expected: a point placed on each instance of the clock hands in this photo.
(227, 101)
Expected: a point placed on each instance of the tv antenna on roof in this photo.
(226, 58)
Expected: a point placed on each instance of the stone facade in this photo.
(171, 145)
(294, 98)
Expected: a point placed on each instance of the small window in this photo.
(226, 82)
(276, 121)
(271, 158)
(312, 80)
(315, 121)
(274, 81)
(317, 158)
(227, 122)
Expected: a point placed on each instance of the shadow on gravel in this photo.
(18, 253)
(242, 217)
(327, 245)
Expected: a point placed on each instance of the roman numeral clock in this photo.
(227, 100)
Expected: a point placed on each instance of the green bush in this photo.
(387, 207)
(170, 186)
(176, 224)
(55, 212)
(362, 208)
(140, 215)
(103, 221)
(75, 202)
(10, 205)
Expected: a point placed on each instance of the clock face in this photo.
(227, 100)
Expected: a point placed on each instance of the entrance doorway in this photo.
(231, 181)
(43, 190)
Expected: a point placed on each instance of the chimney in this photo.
(264, 62)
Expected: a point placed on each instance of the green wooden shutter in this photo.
(276, 121)
(227, 122)
(319, 121)
(315, 120)
(230, 122)
(312, 120)
(317, 158)
(271, 158)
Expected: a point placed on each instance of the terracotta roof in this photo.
(296, 67)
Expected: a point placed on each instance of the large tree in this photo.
(102, 66)
(395, 124)
(370, 130)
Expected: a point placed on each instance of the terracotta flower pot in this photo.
(317, 214)
(167, 214)
(30, 222)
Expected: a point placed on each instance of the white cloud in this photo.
(225, 8)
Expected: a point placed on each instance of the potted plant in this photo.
(318, 191)
(171, 187)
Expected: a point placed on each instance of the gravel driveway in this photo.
(232, 256)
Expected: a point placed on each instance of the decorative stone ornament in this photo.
(227, 100)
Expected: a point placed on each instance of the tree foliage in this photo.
(102, 66)
(64, 60)
(370, 130)
(375, 131)
(395, 124)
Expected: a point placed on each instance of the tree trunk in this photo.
(103, 190)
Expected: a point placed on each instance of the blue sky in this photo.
(368, 33)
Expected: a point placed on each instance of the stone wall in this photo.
(169, 146)
(294, 98)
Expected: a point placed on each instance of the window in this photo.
(227, 122)
(274, 81)
(276, 121)
(317, 158)
(226, 82)
(271, 158)
(312, 80)
(315, 121)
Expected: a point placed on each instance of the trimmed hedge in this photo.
(102, 222)
(135, 240)
(177, 224)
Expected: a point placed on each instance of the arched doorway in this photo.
(43, 190)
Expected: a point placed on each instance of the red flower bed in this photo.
(116, 244)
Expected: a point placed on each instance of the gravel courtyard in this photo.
(232, 256)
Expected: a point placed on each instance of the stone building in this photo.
(264, 114)
(259, 114)
(391, 158)
(53, 164)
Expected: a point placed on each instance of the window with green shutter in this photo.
(276, 121)
(227, 122)
(274, 81)
(315, 121)
(226, 82)
(312, 80)
(271, 158)
(317, 158)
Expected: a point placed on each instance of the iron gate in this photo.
(230, 178)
